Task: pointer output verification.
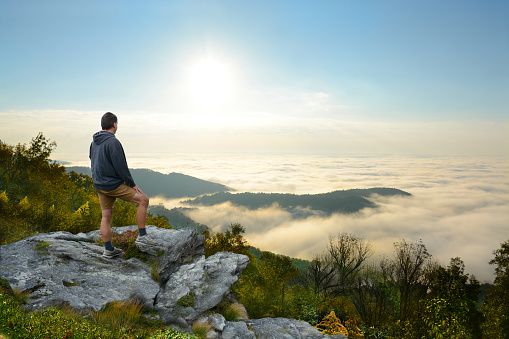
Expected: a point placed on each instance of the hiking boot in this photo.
(112, 254)
(145, 240)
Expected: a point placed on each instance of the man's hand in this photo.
(138, 189)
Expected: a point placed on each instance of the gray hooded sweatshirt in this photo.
(109, 166)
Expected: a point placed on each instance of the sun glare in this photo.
(209, 81)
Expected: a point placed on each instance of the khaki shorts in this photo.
(107, 198)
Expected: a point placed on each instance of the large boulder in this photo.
(199, 286)
(270, 328)
(61, 268)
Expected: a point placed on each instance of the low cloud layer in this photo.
(459, 208)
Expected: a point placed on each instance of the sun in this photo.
(209, 81)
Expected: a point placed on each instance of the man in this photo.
(113, 180)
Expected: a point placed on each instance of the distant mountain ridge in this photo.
(173, 185)
(346, 201)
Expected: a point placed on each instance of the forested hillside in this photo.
(347, 201)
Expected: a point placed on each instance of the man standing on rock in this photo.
(113, 180)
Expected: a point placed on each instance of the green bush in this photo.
(116, 321)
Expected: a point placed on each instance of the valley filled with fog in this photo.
(459, 206)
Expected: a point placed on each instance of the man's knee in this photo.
(145, 199)
(141, 199)
(107, 214)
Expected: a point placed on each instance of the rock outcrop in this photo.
(64, 268)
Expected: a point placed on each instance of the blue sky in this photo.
(291, 75)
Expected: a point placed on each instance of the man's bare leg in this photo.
(106, 224)
(141, 214)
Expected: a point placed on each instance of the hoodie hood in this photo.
(102, 136)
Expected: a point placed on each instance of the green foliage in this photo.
(51, 323)
(117, 320)
(200, 329)
(301, 264)
(375, 298)
(171, 334)
(229, 241)
(233, 312)
(263, 288)
(446, 318)
(496, 305)
(331, 325)
(42, 247)
(118, 314)
(186, 300)
(37, 195)
(453, 295)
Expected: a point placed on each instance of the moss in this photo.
(70, 283)
(154, 273)
(187, 300)
(42, 247)
(4, 285)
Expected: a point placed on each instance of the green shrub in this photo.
(123, 314)
(171, 334)
(66, 323)
(187, 300)
(200, 329)
(233, 312)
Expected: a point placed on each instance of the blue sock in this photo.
(142, 232)
(108, 246)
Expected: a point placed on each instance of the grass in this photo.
(123, 314)
(116, 320)
(42, 247)
(187, 300)
(200, 329)
(233, 312)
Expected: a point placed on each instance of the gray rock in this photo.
(61, 268)
(177, 247)
(205, 281)
(237, 330)
(282, 328)
(212, 335)
(217, 321)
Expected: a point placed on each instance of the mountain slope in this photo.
(173, 185)
(347, 201)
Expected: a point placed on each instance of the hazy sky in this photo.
(371, 77)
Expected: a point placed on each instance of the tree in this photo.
(345, 253)
(408, 273)
(450, 308)
(230, 241)
(318, 276)
(277, 271)
(496, 305)
(374, 297)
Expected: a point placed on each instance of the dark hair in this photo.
(108, 120)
